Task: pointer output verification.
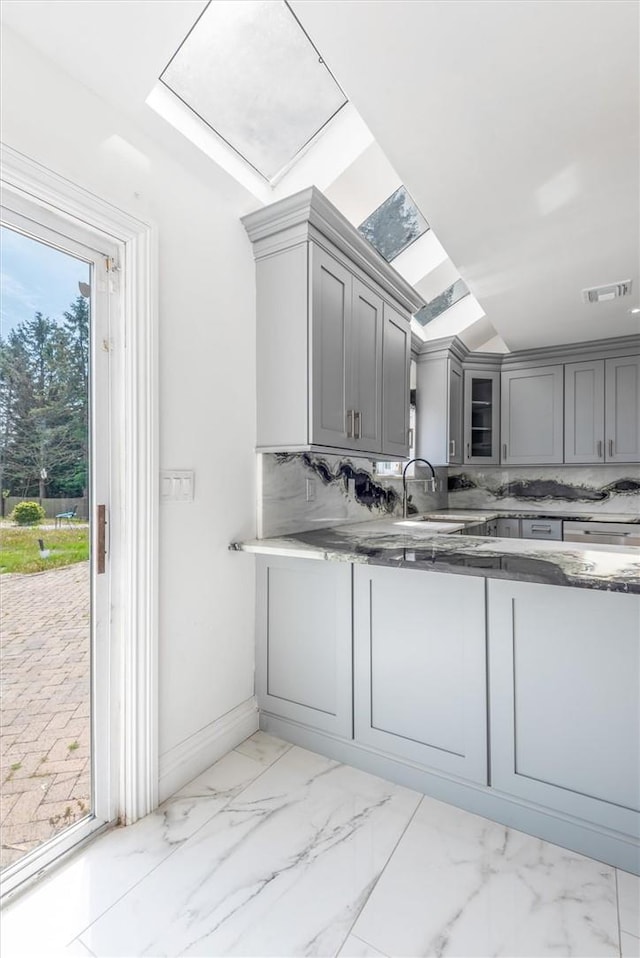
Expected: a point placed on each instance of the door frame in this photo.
(133, 532)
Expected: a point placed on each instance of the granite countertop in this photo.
(384, 542)
(479, 515)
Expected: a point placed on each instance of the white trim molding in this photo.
(133, 536)
(189, 758)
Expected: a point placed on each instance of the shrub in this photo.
(27, 513)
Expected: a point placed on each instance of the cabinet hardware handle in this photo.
(357, 425)
(349, 423)
(468, 450)
(610, 448)
(599, 448)
(452, 447)
(618, 535)
(504, 450)
(410, 437)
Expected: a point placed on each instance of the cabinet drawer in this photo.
(541, 528)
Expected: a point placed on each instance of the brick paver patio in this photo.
(44, 713)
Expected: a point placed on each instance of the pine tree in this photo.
(44, 370)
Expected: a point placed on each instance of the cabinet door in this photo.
(622, 409)
(532, 415)
(584, 412)
(481, 407)
(331, 306)
(396, 356)
(455, 412)
(303, 668)
(508, 528)
(420, 668)
(364, 392)
(564, 689)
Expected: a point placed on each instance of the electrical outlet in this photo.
(311, 490)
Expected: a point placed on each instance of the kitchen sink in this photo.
(425, 524)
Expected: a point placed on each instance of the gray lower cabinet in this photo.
(532, 415)
(507, 528)
(541, 529)
(565, 700)
(304, 660)
(420, 668)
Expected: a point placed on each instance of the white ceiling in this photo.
(513, 125)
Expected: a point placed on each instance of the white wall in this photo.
(207, 376)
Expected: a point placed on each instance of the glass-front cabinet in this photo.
(481, 422)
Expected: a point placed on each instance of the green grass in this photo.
(20, 552)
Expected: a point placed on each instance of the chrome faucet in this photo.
(405, 480)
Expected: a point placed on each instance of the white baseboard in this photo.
(195, 754)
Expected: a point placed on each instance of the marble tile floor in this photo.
(278, 851)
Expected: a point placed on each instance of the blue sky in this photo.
(35, 277)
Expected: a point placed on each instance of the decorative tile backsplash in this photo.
(345, 489)
(342, 490)
(571, 489)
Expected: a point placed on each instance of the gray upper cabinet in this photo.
(332, 310)
(439, 408)
(481, 417)
(584, 412)
(420, 668)
(396, 358)
(622, 409)
(456, 385)
(565, 700)
(364, 397)
(532, 415)
(602, 410)
(346, 357)
(333, 334)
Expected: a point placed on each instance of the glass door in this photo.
(481, 423)
(55, 786)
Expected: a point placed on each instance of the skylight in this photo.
(250, 72)
(437, 306)
(394, 225)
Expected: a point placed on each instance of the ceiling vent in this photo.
(600, 294)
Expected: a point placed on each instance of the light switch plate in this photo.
(177, 485)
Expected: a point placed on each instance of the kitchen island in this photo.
(499, 675)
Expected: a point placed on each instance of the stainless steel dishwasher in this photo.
(602, 533)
